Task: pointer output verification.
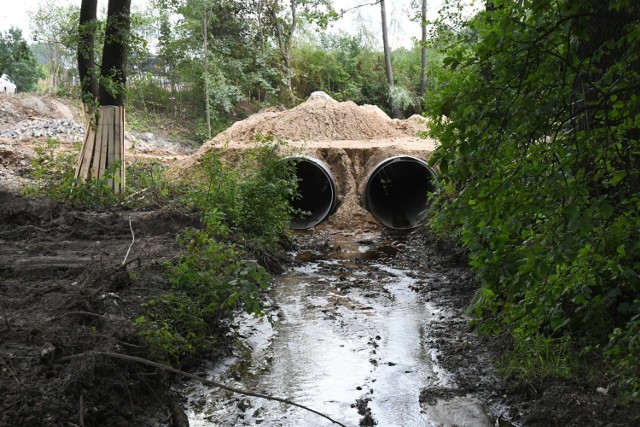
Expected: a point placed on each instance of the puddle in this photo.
(345, 328)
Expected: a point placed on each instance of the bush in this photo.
(209, 282)
(251, 199)
(52, 172)
(213, 279)
(538, 125)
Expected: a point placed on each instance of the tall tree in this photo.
(54, 30)
(423, 52)
(285, 21)
(17, 60)
(395, 112)
(205, 54)
(103, 93)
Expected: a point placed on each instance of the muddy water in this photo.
(348, 338)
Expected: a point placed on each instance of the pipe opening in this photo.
(316, 193)
(396, 191)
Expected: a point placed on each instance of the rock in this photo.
(320, 96)
(37, 105)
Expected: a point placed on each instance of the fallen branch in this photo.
(15, 402)
(81, 411)
(10, 370)
(79, 313)
(133, 239)
(131, 196)
(343, 11)
(193, 377)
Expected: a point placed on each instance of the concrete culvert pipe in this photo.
(317, 192)
(396, 191)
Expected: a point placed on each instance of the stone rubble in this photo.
(68, 131)
(61, 129)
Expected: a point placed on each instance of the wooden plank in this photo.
(104, 146)
(97, 150)
(117, 152)
(110, 120)
(87, 154)
(82, 153)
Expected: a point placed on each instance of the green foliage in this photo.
(537, 357)
(17, 60)
(240, 66)
(539, 167)
(52, 175)
(213, 278)
(252, 198)
(148, 184)
(349, 69)
(55, 35)
(216, 274)
(209, 282)
(342, 66)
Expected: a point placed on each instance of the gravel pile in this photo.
(61, 129)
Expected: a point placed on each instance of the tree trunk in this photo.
(86, 53)
(103, 152)
(205, 32)
(387, 60)
(284, 43)
(113, 72)
(423, 72)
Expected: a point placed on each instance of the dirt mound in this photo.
(320, 118)
(16, 108)
(412, 126)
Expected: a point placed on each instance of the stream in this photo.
(348, 338)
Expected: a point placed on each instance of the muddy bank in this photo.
(65, 291)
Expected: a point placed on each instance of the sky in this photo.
(401, 29)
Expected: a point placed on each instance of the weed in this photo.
(538, 356)
(213, 278)
(52, 172)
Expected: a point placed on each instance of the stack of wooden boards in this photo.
(102, 155)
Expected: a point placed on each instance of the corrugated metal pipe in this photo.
(396, 191)
(317, 192)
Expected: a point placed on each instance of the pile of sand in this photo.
(317, 119)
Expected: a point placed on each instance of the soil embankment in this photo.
(65, 291)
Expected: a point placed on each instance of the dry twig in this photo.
(10, 370)
(81, 411)
(80, 313)
(133, 239)
(12, 404)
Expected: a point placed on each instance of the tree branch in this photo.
(343, 11)
(193, 377)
